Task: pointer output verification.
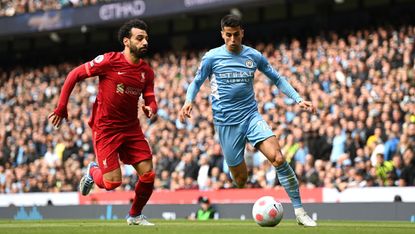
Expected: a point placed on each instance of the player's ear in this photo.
(126, 41)
(222, 33)
(242, 33)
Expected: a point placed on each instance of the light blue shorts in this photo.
(233, 138)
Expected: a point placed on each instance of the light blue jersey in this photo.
(231, 80)
(235, 110)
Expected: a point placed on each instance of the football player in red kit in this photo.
(117, 135)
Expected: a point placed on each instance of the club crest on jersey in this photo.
(249, 63)
(99, 58)
(120, 88)
(143, 77)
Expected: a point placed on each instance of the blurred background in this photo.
(354, 59)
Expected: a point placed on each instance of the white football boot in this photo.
(139, 220)
(305, 220)
(86, 183)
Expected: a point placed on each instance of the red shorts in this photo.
(127, 147)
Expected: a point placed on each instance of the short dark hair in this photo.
(231, 21)
(125, 30)
(203, 200)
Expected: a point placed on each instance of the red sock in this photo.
(143, 192)
(96, 174)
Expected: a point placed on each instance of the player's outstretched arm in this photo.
(55, 119)
(61, 111)
(150, 104)
(190, 96)
(277, 79)
(203, 72)
(308, 106)
(185, 111)
(288, 90)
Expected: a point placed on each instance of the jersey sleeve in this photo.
(76, 75)
(92, 68)
(98, 65)
(203, 72)
(280, 81)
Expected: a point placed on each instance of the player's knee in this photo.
(111, 185)
(278, 159)
(148, 177)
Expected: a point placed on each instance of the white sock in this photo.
(299, 211)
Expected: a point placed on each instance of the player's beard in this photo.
(138, 52)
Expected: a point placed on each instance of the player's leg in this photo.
(108, 180)
(271, 149)
(136, 152)
(232, 140)
(143, 191)
(262, 137)
(239, 174)
(107, 173)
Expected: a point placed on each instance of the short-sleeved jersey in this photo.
(231, 79)
(121, 84)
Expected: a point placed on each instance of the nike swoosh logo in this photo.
(120, 73)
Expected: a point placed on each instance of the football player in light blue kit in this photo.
(230, 69)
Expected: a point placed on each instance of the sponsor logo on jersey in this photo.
(237, 80)
(242, 74)
(249, 63)
(133, 91)
(120, 88)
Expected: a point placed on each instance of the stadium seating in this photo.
(363, 135)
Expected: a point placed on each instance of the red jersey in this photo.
(121, 84)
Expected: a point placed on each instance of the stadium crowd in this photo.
(16, 7)
(363, 134)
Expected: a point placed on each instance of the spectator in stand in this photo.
(216, 157)
(383, 168)
(15, 7)
(407, 177)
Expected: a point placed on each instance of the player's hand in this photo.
(185, 111)
(55, 119)
(308, 106)
(147, 111)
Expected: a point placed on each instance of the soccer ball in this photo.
(267, 212)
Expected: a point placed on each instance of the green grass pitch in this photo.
(201, 227)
